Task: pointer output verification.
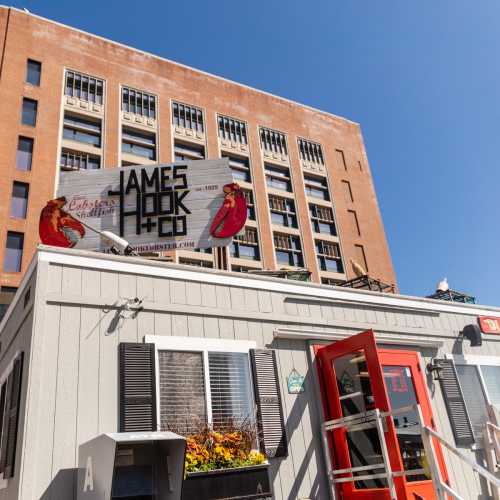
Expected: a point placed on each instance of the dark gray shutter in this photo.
(2, 416)
(11, 397)
(137, 387)
(455, 404)
(271, 424)
(5, 422)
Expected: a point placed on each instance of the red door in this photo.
(356, 378)
(405, 386)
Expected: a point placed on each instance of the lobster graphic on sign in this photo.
(231, 217)
(59, 228)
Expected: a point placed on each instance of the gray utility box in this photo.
(138, 465)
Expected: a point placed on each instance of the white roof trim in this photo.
(381, 338)
(164, 59)
(134, 265)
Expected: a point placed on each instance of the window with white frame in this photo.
(232, 130)
(240, 167)
(203, 381)
(188, 151)
(189, 117)
(310, 151)
(478, 377)
(84, 87)
(273, 141)
(316, 187)
(139, 103)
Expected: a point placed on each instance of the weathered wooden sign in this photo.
(184, 205)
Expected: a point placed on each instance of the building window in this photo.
(232, 130)
(196, 263)
(187, 391)
(139, 103)
(331, 281)
(316, 187)
(242, 269)
(322, 219)
(478, 379)
(33, 72)
(240, 167)
(203, 250)
(328, 255)
(288, 250)
(189, 117)
(13, 252)
(139, 143)
(188, 151)
(84, 87)
(311, 152)
(250, 203)
(82, 129)
(24, 154)
(282, 211)
(246, 246)
(273, 141)
(30, 107)
(278, 177)
(19, 201)
(75, 160)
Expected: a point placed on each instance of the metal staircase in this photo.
(377, 420)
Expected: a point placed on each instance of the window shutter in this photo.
(272, 433)
(137, 387)
(455, 404)
(5, 422)
(11, 418)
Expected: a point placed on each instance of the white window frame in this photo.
(477, 360)
(204, 346)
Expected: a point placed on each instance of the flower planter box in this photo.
(239, 483)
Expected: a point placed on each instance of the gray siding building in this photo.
(60, 347)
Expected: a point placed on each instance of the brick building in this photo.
(73, 100)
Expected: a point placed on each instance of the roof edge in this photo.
(141, 265)
(185, 66)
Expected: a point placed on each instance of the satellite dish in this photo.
(443, 286)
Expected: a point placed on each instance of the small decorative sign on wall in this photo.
(295, 382)
(489, 324)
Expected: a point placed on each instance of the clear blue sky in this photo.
(421, 77)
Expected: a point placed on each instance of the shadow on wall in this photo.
(63, 486)
(303, 402)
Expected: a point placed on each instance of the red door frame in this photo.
(375, 358)
(326, 354)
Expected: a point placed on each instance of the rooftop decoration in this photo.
(444, 292)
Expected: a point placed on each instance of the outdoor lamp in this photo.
(435, 368)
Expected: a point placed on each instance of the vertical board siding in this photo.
(80, 345)
(66, 404)
(108, 359)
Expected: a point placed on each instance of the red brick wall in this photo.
(58, 47)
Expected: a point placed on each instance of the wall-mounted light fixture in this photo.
(473, 334)
(435, 368)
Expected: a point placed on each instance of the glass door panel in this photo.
(353, 383)
(401, 392)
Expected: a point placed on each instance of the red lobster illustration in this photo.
(57, 227)
(232, 216)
